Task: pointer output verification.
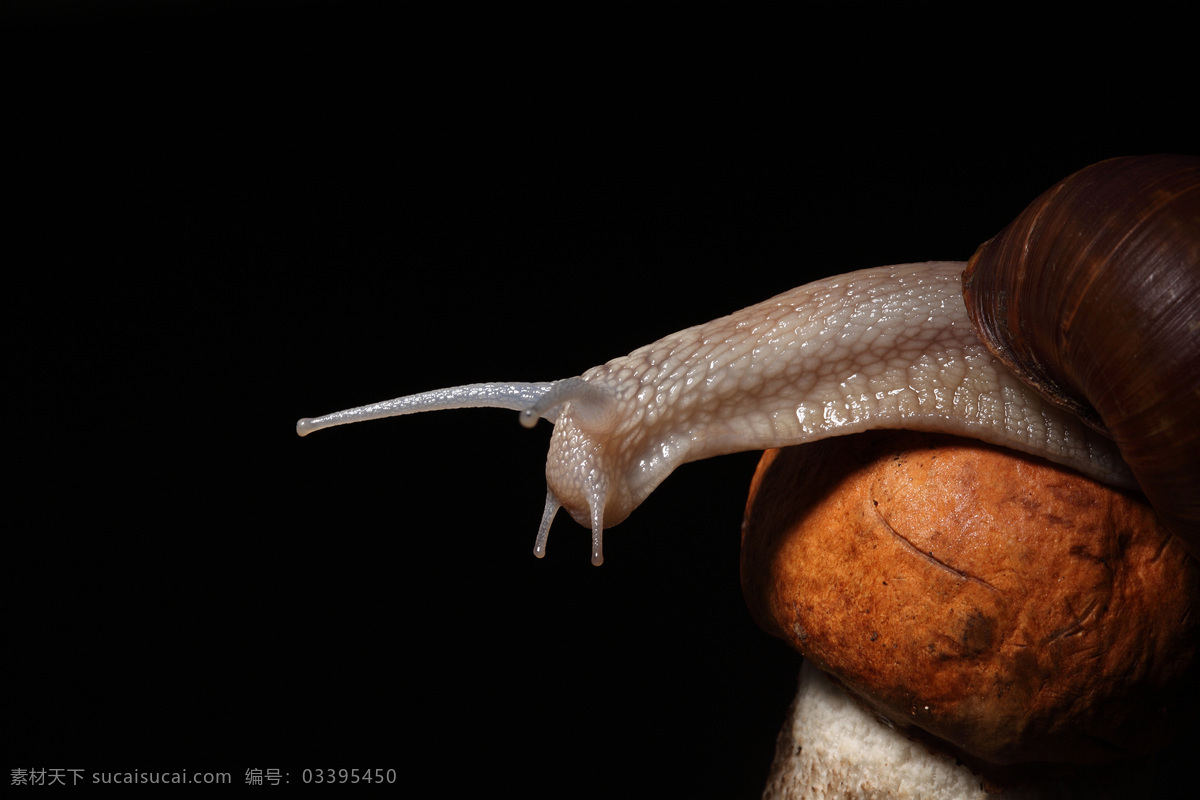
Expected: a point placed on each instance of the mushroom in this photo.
(995, 608)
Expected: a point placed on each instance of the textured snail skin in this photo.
(890, 347)
(1092, 295)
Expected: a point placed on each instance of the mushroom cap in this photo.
(1008, 607)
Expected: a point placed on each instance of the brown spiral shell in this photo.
(1092, 296)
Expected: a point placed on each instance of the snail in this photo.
(895, 347)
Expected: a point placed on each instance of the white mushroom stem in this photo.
(829, 747)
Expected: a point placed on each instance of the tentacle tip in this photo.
(528, 417)
(597, 559)
(305, 426)
(539, 551)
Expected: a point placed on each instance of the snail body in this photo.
(890, 347)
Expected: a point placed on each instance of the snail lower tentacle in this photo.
(890, 347)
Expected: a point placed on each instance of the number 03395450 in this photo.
(348, 776)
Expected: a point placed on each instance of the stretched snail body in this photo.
(890, 347)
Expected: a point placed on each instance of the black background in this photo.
(227, 216)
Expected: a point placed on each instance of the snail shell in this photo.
(1092, 296)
